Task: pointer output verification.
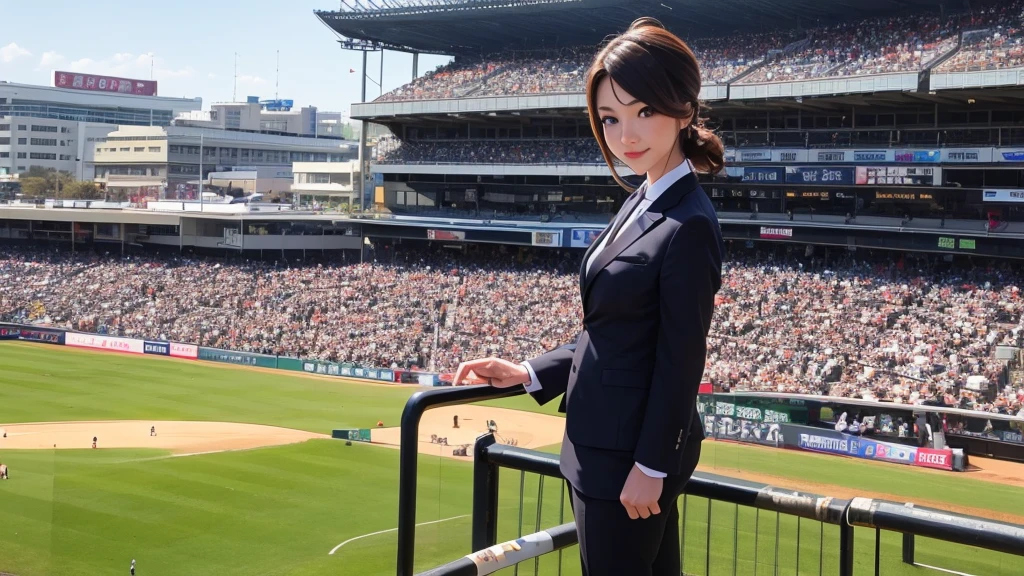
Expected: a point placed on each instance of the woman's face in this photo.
(644, 140)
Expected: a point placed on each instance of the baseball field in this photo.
(240, 477)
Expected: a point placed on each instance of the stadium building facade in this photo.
(907, 138)
(53, 127)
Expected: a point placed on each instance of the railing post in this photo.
(846, 543)
(908, 549)
(408, 456)
(908, 544)
(485, 495)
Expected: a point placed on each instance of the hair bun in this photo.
(644, 22)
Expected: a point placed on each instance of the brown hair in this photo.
(656, 67)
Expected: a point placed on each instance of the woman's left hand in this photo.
(640, 494)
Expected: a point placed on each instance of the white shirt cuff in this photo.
(649, 472)
(534, 384)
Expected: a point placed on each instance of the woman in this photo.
(647, 287)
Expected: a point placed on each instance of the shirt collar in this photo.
(666, 181)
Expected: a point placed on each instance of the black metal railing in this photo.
(705, 494)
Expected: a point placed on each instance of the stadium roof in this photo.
(456, 27)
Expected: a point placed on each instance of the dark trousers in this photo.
(611, 544)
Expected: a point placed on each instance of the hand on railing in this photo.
(493, 371)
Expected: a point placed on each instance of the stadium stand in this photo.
(907, 43)
(912, 329)
(875, 46)
(993, 40)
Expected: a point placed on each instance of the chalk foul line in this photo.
(336, 548)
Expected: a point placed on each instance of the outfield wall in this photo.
(192, 352)
(774, 424)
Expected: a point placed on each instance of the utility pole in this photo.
(201, 173)
(234, 91)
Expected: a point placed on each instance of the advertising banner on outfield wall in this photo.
(31, 333)
(190, 351)
(129, 345)
(832, 442)
(941, 459)
(159, 348)
(240, 358)
(743, 430)
(332, 369)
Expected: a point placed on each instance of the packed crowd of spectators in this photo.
(904, 332)
(997, 41)
(565, 151)
(875, 46)
(905, 43)
(565, 70)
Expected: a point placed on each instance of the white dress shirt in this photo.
(653, 192)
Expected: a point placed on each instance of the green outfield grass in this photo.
(280, 510)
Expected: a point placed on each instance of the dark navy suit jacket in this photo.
(630, 380)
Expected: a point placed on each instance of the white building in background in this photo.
(325, 183)
(57, 128)
(169, 162)
(268, 117)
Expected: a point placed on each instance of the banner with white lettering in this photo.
(159, 348)
(772, 233)
(190, 351)
(129, 345)
(966, 155)
(1003, 195)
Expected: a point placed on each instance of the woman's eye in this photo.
(646, 112)
(608, 120)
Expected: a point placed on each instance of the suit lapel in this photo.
(633, 232)
(627, 206)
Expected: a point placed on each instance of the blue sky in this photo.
(191, 46)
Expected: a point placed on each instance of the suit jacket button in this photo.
(574, 368)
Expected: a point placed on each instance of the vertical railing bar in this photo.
(821, 550)
(878, 550)
(707, 548)
(682, 535)
(846, 544)
(757, 534)
(777, 516)
(519, 531)
(735, 537)
(561, 518)
(540, 503)
(798, 545)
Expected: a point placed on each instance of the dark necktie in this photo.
(621, 222)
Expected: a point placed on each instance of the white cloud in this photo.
(250, 79)
(128, 65)
(12, 52)
(211, 75)
(51, 59)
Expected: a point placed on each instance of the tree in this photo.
(34, 187)
(39, 172)
(80, 191)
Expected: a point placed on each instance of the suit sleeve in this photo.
(690, 277)
(552, 373)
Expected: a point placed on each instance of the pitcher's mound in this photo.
(178, 437)
(523, 429)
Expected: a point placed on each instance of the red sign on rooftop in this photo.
(97, 83)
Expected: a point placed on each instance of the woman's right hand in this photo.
(494, 371)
